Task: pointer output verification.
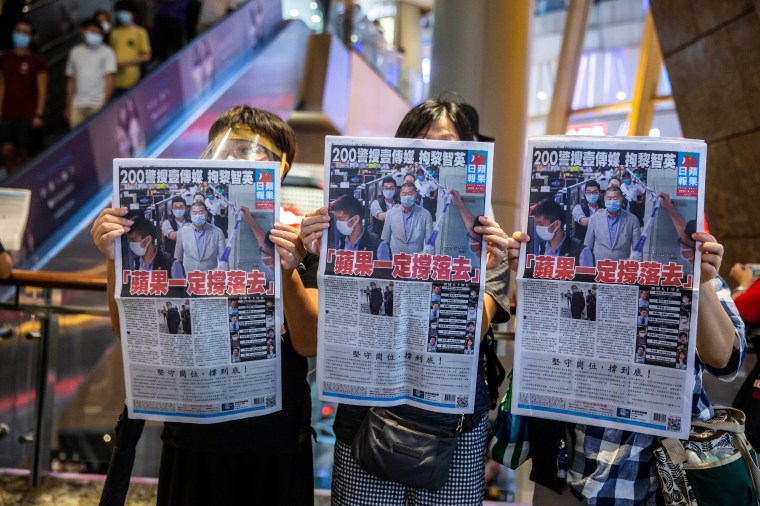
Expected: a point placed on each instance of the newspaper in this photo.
(200, 327)
(14, 211)
(401, 297)
(607, 308)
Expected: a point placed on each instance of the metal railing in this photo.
(44, 309)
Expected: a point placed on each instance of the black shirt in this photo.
(349, 417)
(278, 432)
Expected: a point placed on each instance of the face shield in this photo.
(242, 143)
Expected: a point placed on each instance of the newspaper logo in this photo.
(623, 413)
(264, 189)
(687, 181)
(477, 161)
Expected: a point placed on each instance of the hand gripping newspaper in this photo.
(401, 276)
(607, 304)
(198, 289)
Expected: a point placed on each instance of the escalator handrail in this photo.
(55, 280)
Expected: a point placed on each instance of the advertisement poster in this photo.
(401, 279)
(198, 289)
(608, 296)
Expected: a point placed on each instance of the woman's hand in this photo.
(742, 274)
(313, 227)
(496, 241)
(289, 245)
(712, 256)
(513, 248)
(109, 226)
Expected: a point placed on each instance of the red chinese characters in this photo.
(236, 282)
(460, 269)
(140, 283)
(256, 283)
(363, 263)
(344, 261)
(606, 271)
(402, 265)
(421, 265)
(544, 267)
(159, 283)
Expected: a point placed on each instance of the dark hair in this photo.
(592, 184)
(200, 204)
(640, 346)
(348, 205)
(142, 227)
(549, 209)
(683, 334)
(418, 120)
(389, 180)
(101, 11)
(613, 189)
(91, 23)
(124, 5)
(178, 199)
(409, 185)
(263, 122)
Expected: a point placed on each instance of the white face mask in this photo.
(137, 248)
(344, 228)
(543, 232)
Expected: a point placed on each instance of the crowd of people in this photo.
(272, 453)
(117, 48)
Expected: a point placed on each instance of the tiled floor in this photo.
(15, 491)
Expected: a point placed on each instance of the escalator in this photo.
(313, 81)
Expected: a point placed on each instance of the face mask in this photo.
(93, 39)
(344, 228)
(21, 40)
(124, 17)
(198, 219)
(420, 178)
(612, 206)
(106, 26)
(592, 199)
(178, 213)
(137, 248)
(388, 194)
(407, 200)
(544, 234)
(626, 181)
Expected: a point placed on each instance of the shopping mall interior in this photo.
(658, 68)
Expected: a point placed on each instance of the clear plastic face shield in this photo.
(242, 143)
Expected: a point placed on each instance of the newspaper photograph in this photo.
(607, 290)
(198, 289)
(401, 278)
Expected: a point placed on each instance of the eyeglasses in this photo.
(239, 149)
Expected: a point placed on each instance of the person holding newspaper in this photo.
(270, 454)
(615, 467)
(441, 120)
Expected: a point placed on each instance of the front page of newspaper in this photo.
(198, 289)
(608, 293)
(401, 276)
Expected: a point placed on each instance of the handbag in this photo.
(509, 444)
(715, 466)
(404, 451)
